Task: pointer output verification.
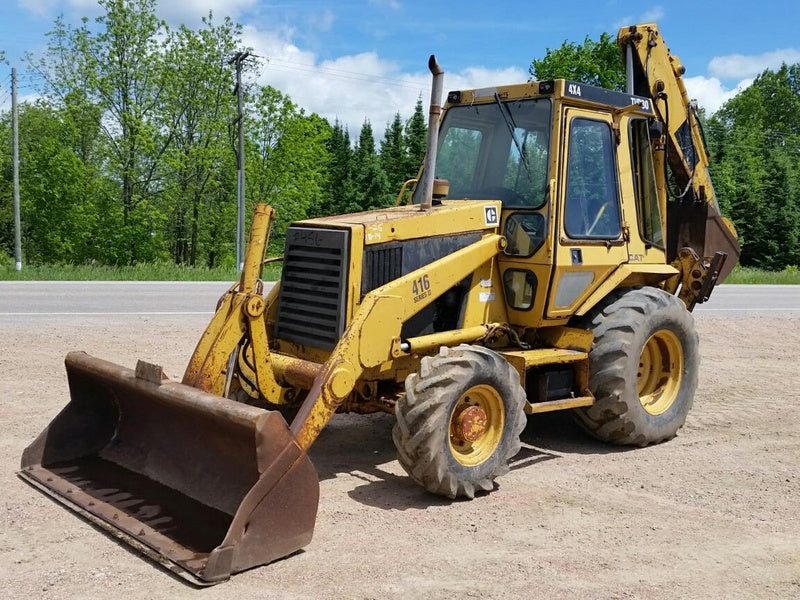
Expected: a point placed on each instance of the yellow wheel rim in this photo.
(660, 372)
(476, 425)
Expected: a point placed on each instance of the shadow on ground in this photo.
(361, 446)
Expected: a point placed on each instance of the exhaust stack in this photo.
(433, 133)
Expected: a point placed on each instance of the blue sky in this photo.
(357, 59)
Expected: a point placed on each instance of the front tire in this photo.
(643, 367)
(460, 420)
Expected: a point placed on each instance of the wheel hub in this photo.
(476, 425)
(660, 371)
(470, 424)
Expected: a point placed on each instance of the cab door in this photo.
(591, 243)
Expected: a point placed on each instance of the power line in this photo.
(286, 65)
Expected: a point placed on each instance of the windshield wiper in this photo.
(512, 129)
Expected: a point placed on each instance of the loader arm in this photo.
(699, 239)
(383, 310)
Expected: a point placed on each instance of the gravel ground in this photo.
(710, 514)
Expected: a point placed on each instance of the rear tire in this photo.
(643, 367)
(460, 420)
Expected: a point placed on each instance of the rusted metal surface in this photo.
(295, 372)
(470, 424)
(720, 238)
(202, 484)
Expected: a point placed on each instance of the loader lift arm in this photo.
(385, 309)
(701, 243)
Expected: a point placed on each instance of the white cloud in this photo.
(179, 11)
(393, 4)
(656, 13)
(5, 105)
(354, 87)
(710, 93)
(739, 66)
(174, 11)
(40, 8)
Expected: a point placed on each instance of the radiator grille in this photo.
(382, 264)
(311, 309)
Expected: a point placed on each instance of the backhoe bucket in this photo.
(202, 484)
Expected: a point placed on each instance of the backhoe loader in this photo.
(547, 258)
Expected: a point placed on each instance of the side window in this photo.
(524, 233)
(644, 182)
(457, 162)
(592, 202)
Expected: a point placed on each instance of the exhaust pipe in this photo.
(433, 133)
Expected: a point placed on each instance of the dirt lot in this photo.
(713, 513)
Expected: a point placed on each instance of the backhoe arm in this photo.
(699, 239)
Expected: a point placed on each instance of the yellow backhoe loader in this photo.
(547, 258)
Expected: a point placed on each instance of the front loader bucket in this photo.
(202, 484)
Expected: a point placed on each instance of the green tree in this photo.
(755, 141)
(118, 66)
(338, 184)
(61, 194)
(415, 140)
(287, 158)
(369, 179)
(393, 154)
(594, 63)
(199, 186)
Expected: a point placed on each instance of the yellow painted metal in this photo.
(543, 356)
(658, 378)
(522, 360)
(401, 199)
(569, 338)
(625, 276)
(533, 408)
(471, 448)
(662, 71)
(434, 341)
(485, 302)
(375, 344)
(241, 313)
(598, 258)
(381, 313)
(206, 369)
(406, 222)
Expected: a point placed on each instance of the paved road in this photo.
(753, 300)
(67, 298)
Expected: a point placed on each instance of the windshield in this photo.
(498, 151)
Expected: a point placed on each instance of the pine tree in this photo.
(340, 153)
(415, 140)
(393, 154)
(371, 186)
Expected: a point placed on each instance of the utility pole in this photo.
(15, 169)
(237, 60)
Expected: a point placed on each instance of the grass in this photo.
(272, 272)
(748, 275)
(141, 272)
